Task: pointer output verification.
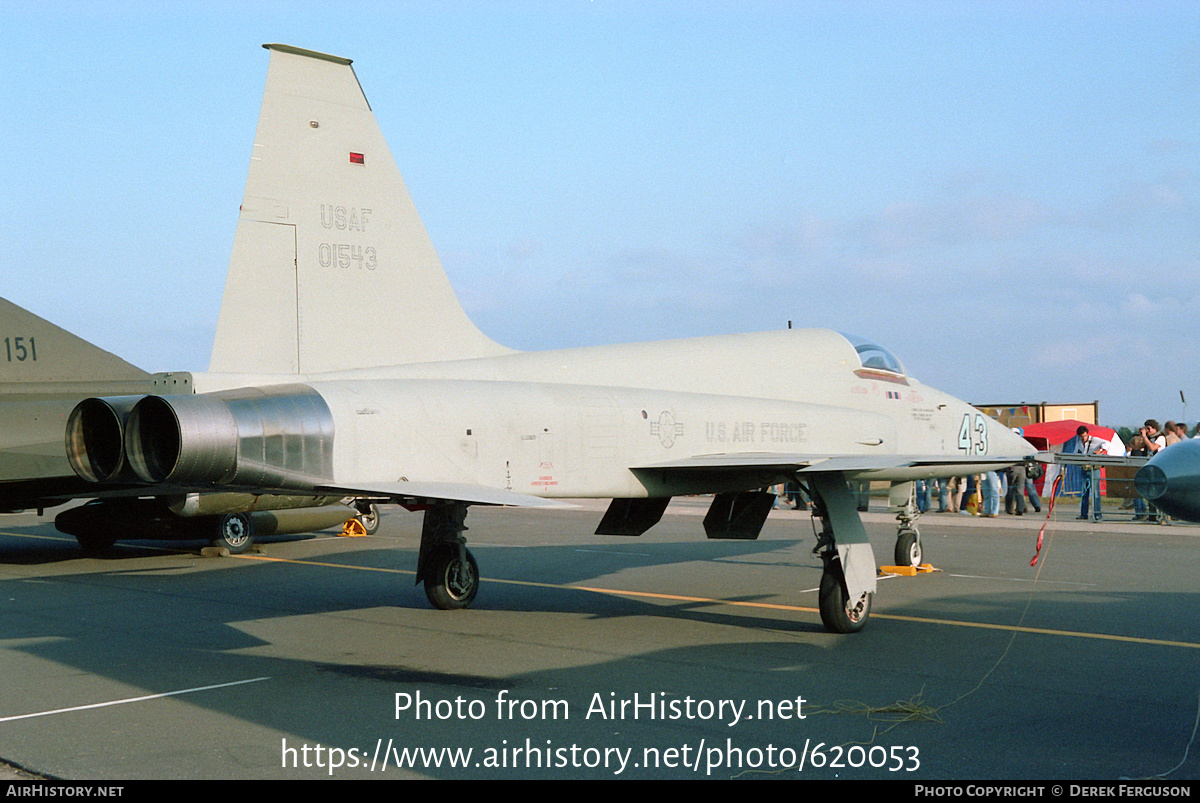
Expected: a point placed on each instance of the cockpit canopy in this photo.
(873, 356)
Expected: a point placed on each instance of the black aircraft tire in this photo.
(451, 583)
(369, 519)
(234, 532)
(908, 549)
(836, 614)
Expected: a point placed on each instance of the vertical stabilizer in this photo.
(38, 357)
(332, 268)
(44, 372)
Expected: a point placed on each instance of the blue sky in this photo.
(1005, 194)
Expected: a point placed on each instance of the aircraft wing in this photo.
(946, 465)
(436, 491)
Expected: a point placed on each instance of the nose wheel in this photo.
(908, 547)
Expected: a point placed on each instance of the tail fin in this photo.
(38, 357)
(331, 268)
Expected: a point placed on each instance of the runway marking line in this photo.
(1040, 631)
(36, 536)
(126, 700)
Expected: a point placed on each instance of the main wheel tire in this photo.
(96, 541)
(908, 549)
(234, 532)
(369, 519)
(837, 614)
(452, 583)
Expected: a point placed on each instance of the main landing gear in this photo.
(444, 564)
(839, 613)
(235, 532)
(848, 580)
(368, 516)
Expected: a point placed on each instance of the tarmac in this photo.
(585, 656)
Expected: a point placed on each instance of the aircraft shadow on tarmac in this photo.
(1080, 707)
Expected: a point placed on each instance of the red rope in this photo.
(1049, 512)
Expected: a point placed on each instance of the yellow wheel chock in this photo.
(908, 571)
(353, 529)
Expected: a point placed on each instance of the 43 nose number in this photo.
(979, 444)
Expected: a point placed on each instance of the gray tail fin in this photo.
(332, 268)
(38, 357)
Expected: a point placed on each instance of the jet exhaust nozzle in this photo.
(261, 438)
(182, 439)
(95, 438)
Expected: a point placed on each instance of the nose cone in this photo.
(1007, 442)
(1150, 482)
(1171, 480)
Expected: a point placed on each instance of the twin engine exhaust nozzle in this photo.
(277, 437)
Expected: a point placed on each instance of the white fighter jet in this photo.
(414, 405)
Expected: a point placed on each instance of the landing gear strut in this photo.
(848, 579)
(445, 565)
(902, 499)
(839, 613)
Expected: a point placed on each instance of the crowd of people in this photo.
(981, 494)
(1148, 441)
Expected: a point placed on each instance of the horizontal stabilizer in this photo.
(935, 464)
